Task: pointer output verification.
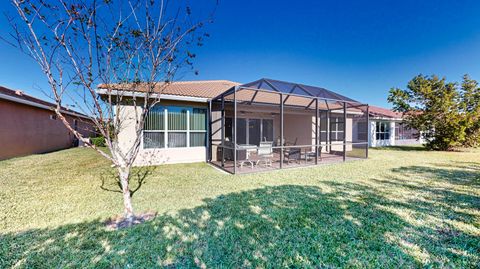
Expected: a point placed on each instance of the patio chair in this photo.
(242, 158)
(293, 154)
(227, 147)
(265, 153)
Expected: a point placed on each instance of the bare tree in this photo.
(124, 46)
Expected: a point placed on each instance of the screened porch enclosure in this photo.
(268, 124)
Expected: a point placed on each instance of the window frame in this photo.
(385, 133)
(247, 132)
(187, 131)
(403, 132)
(334, 132)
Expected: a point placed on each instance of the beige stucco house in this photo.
(232, 125)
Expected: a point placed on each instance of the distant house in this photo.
(387, 129)
(29, 125)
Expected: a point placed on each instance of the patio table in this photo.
(249, 149)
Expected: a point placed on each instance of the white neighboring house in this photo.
(386, 128)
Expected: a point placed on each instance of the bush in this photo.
(98, 141)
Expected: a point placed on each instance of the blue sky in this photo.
(357, 48)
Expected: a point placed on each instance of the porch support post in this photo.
(328, 137)
(223, 131)
(281, 130)
(209, 131)
(234, 132)
(368, 130)
(316, 130)
(344, 131)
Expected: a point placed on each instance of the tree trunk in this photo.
(124, 173)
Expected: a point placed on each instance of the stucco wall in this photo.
(161, 155)
(28, 130)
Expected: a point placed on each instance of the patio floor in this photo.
(253, 167)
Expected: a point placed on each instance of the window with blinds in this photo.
(175, 127)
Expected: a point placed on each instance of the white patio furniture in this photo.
(265, 153)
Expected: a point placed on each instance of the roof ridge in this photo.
(337, 95)
(201, 81)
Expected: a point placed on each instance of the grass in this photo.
(399, 208)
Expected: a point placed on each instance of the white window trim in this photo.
(166, 131)
(379, 133)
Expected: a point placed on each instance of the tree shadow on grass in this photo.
(272, 226)
(443, 196)
(283, 226)
(457, 173)
(438, 195)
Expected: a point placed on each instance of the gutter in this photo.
(34, 104)
(386, 118)
(154, 95)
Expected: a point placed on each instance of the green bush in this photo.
(98, 141)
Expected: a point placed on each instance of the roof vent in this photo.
(19, 92)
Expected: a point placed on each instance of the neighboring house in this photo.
(29, 125)
(386, 128)
(195, 122)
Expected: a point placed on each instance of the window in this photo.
(250, 131)
(337, 128)
(403, 132)
(175, 127)
(362, 131)
(323, 126)
(154, 128)
(382, 130)
(198, 127)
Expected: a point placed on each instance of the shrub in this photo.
(98, 141)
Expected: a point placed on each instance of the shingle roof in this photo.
(201, 88)
(21, 96)
(376, 111)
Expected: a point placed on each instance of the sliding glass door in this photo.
(251, 131)
(254, 135)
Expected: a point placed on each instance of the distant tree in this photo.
(81, 44)
(446, 113)
(470, 107)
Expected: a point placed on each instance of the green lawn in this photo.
(403, 207)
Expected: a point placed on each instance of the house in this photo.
(386, 128)
(29, 125)
(262, 125)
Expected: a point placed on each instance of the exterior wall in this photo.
(298, 128)
(28, 130)
(161, 155)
